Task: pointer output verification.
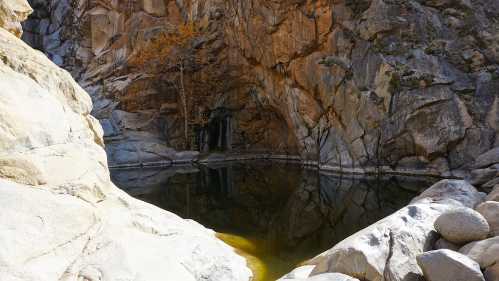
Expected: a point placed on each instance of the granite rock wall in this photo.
(357, 85)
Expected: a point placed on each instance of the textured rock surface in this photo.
(446, 265)
(490, 211)
(485, 171)
(485, 252)
(451, 192)
(12, 13)
(62, 218)
(462, 225)
(483, 176)
(387, 250)
(408, 85)
(487, 159)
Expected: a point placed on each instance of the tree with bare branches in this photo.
(169, 52)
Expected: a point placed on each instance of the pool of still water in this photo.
(276, 215)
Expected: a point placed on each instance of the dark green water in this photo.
(276, 214)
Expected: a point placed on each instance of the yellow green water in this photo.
(264, 264)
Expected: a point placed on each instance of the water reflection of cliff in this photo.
(293, 210)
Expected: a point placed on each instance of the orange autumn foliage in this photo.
(161, 47)
(165, 51)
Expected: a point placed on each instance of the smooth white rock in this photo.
(447, 265)
(485, 252)
(456, 192)
(462, 225)
(390, 246)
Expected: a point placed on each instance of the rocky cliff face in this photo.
(62, 218)
(406, 85)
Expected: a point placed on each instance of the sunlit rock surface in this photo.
(61, 217)
(12, 13)
(405, 85)
(387, 249)
(462, 226)
(485, 252)
(446, 265)
(490, 211)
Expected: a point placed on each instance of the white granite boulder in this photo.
(453, 192)
(447, 265)
(388, 248)
(485, 252)
(462, 225)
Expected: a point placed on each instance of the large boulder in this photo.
(485, 252)
(62, 218)
(447, 265)
(387, 250)
(452, 192)
(490, 211)
(462, 225)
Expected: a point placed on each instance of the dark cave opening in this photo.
(217, 134)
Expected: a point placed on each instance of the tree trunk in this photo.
(183, 99)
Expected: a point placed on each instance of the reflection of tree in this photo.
(321, 140)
